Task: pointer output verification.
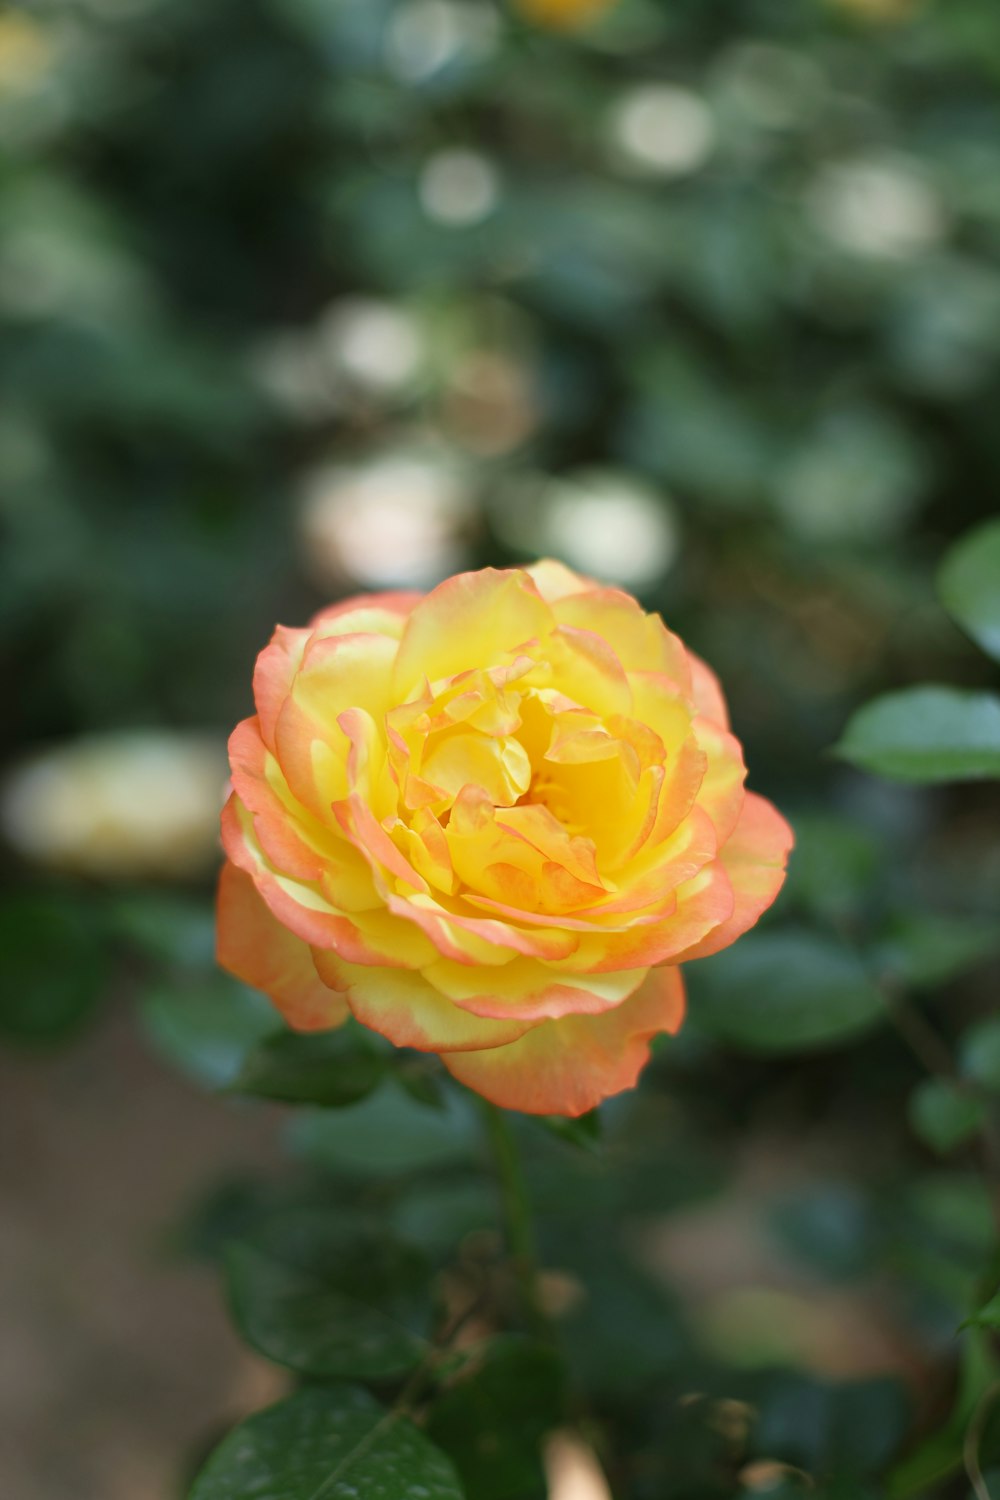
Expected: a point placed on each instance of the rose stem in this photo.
(517, 1214)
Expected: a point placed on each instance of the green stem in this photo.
(517, 1214)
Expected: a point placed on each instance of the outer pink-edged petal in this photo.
(273, 674)
(469, 621)
(531, 991)
(403, 1006)
(290, 837)
(383, 613)
(255, 947)
(721, 793)
(340, 672)
(567, 1067)
(555, 581)
(755, 858)
(297, 904)
(641, 642)
(706, 691)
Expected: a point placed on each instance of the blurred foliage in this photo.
(300, 297)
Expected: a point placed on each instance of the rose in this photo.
(490, 822)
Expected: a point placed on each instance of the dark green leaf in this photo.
(926, 949)
(388, 1134)
(207, 1029)
(943, 1115)
(332, 1068)
(492, 1422)
(421, 1077)
(584, 1131)
(926, 734)
(439, 1213)
(835, 866)
(300, 1318)
(168, 929)
(988, 1316)
(969, 585)
(327, 1443)
(979, 1053)
(784, 992)
(53, 967)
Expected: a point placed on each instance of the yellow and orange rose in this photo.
(491, 822)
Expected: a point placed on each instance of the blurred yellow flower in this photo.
(123, 805)
(878, 10)
(26, 50)
(562, 13)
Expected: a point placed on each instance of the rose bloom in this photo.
(490, 822)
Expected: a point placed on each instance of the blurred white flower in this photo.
(880, 208)
(662, 130)
(459, 187)
(603, 523)
(372, 344)
(425, 35)
(572, 1471)
(397, 521)
(120, 805)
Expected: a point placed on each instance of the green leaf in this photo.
(167, 929)
(387, 1134)
(421, 1077)
(327, 1443)
(300, 1317)
(988, 1316)
(969, 585)
(53, 967)
(836, 865)
(785, 991)
(925, 949)
(207, 1029)
(491, 1424)
(926, 734)
(332, 1068)
(583, 1132)
(979, 1053)
(940, 1454)
(944, 1116)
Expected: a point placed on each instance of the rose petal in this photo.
(471, 620)
(754, 858)
(567, 1067)
(404, 1006)
(260, 950)
(532, 991)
